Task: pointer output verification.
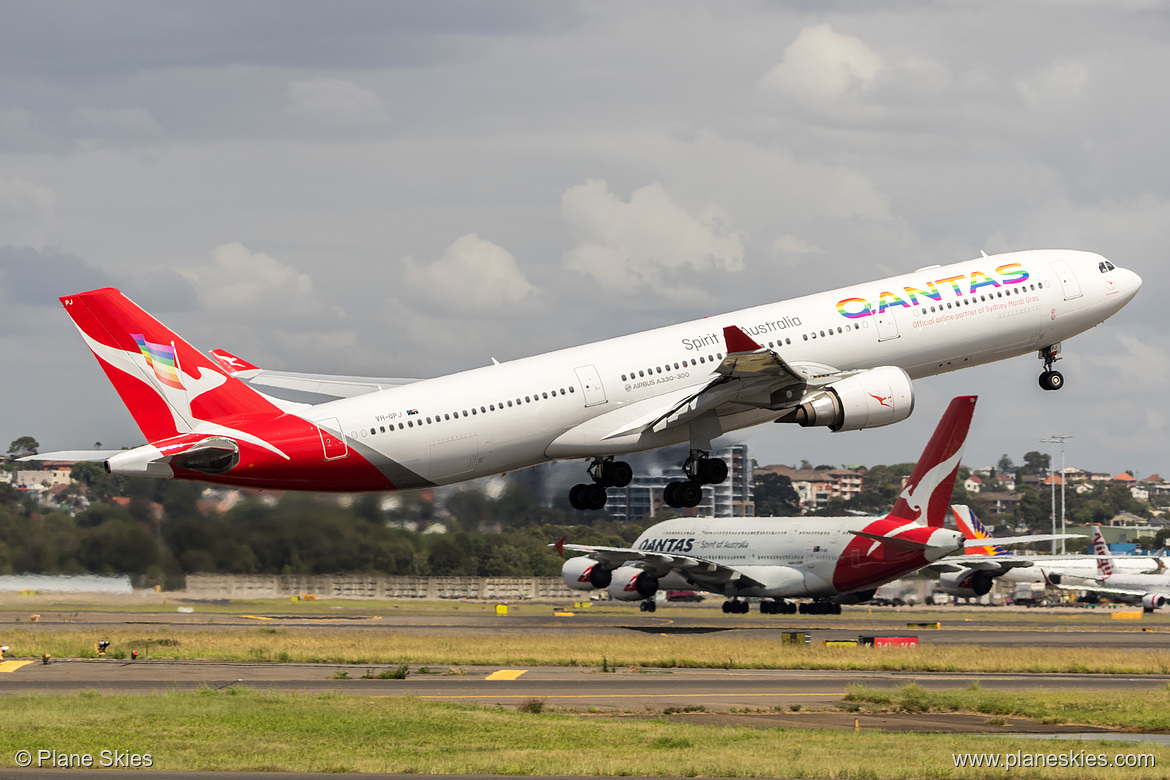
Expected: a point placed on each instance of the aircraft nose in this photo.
(1128, 284)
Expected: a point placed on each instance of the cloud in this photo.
(822, 64)
(473, 276)
(1060, 84)
(26, 210)
(789, 244)
(335, 102)
(116, 124)
(649, 241)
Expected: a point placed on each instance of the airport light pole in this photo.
(1054, 440)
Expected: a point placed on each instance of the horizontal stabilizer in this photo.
(993, 540)
(319, 384)
(72, 456)
(893, 541)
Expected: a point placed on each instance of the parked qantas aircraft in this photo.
(833, 561)
(843, 359)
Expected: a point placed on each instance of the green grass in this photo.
(605, 651)
(245, 730)
(1138, 711)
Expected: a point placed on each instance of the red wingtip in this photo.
(230, 363)
(560, 546)
(738, 341)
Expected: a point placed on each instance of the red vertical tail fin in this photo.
(168, 386)
(928, 490)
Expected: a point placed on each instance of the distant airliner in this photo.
(841, 359)
(830, 560)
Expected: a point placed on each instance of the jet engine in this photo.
(584, 573)
(966, 584)
(1152, 601)
(879, 396)
(632, 584)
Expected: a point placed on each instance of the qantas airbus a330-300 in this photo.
(842, 359)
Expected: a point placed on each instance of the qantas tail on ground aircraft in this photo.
(843, 359)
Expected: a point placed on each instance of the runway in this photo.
(980, 627)
(569, 688)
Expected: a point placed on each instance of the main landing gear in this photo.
(736, 607)
(648, 605)
(1050, 379)
(701, 469)
(606, 473)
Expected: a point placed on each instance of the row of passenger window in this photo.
(677, 366)
(719, 355)
(984, 297)
(445, 416)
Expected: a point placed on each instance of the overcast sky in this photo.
(411, 189)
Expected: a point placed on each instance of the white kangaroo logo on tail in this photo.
(929, 483)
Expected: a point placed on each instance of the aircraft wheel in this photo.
(712, 471)
(767, 607)
(619, 474)
(727, 608)
(689, 494)
(575, 497)
(670, 495)
(592, 496)
(1055, 380)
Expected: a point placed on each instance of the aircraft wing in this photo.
(995, 564)
(701, 572)
(749, 377)
(320, 384)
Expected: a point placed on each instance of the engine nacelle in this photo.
(632, 584)
(966, 584)
(879, 396)
(1152, 601)
(584, 573)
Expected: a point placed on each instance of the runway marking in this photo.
(505, 674)
(12, 666)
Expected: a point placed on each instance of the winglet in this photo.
(738, 341)
(560, 545)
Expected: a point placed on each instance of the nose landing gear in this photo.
(1050, 379)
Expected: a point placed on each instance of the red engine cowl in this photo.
(584, 573)
(966, 584)
(632, 584)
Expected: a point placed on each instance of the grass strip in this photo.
(1147, 711)
(722, 651)
(245, 730)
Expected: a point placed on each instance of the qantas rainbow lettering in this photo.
(908, 297)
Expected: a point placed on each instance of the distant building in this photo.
(1001, 503)
(642, 498)
(30, 479)
(816, 487)
(973, 484)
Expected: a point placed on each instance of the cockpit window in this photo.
(1105, 267)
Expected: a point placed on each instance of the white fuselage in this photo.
(1130, 570)
(580, 402)
(794, 556)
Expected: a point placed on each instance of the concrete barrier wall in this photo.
(356, 586)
